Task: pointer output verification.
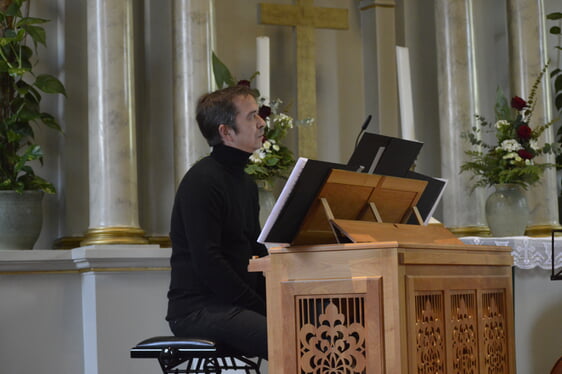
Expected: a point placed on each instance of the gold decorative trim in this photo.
(114, 235)
(68, 242)
(162, 241)
(470, 231)
(541, 230)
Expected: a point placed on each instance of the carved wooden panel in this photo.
(494, 337)
(337, 326)
(430, 333)
(459, 325)
(464, 333)
(331, 334)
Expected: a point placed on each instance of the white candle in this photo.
(405, 93)
(262, 65)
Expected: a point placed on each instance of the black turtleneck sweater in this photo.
(215, 224)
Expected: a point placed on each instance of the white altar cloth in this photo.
(527, 252)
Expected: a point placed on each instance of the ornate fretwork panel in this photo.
(430, 333)
(464, 333)
(331, 334)
(494, 340)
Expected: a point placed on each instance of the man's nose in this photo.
(261, 122)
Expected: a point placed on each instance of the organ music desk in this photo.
(382, 306)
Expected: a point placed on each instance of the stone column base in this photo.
(114, 235)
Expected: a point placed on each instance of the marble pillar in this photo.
(193, 35)
(111, 125)
(463, 210)
(528, 55)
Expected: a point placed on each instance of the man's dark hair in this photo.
(217, 108)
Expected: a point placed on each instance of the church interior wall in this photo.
(343, 83)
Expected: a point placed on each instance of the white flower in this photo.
(502, 123)
(276, 147)
(511, 145)
(255, 158)
(534, 144)
(266, 145)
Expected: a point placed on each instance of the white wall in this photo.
(538, 320)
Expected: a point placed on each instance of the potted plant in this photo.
(21, 190)
(509, 163)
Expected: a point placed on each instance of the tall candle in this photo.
(405, 93)
(262, 66)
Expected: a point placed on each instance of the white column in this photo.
(193, 30)
(112, 138)
(463, 213)
(379, 44)
(528, 54)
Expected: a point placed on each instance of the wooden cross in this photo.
(305, 17)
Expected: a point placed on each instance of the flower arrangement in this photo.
(513, 158)
(273, 159)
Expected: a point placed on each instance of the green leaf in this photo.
(33, 152)
(26, 52)
(222, 74)
(558, 83)
(37, 34)
(50, 121)
(27, 114)
(18, 72)
(558, 102)
(3, 67)
(49, 84)
(13, 136)
(14, 9)
(31, 21)
(554, 16)
(555, 30)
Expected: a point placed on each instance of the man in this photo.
(215, 224)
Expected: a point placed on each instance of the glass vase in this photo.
(507, 212)
(266, 200)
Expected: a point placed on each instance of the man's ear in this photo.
(224, 132)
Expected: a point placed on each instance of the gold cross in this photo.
(305, 17)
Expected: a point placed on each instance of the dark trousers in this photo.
(241, 330)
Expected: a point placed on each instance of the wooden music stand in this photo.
(359, 208)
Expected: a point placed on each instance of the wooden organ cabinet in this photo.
(421, 303)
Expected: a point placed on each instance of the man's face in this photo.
(250, 126)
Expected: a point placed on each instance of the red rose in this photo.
(524, 132)
(523, 153)
(243, 82)
(518, 103)
(264, 112)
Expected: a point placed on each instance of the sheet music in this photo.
(280, 203)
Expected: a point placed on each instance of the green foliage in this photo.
(512, 158)
(20, 98)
